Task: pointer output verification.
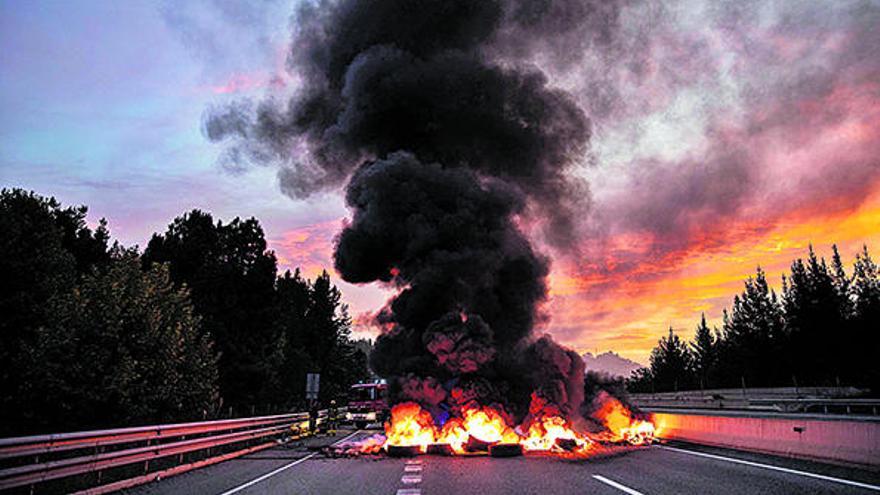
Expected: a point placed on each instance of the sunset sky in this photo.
(725, 135)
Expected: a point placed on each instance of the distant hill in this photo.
(610, 363)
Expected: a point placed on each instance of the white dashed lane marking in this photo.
(412, 469)
(411, 479)
(617, 485)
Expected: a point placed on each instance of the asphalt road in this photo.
(668, 469)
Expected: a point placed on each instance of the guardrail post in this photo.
(98, 451)
(147, 462)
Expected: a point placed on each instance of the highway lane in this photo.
(294, 469)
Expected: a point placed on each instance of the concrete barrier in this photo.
(843, 440)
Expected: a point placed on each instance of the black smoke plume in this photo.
(448, 138)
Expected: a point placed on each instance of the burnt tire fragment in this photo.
(505, 450)
(568, 444)
(474, 444)
(440, 449)
(404, 450)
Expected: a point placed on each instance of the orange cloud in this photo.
(628, 312)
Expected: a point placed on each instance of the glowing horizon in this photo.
(628, 317)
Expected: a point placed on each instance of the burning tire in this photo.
(440, 449)
(567, 444)
(505, 450)
(474, 444)
(404, 450)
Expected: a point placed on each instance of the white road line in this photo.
(282, 468)
(411, 479)
(617, 485)
(409, 491)
(412, 468)
(777, 468)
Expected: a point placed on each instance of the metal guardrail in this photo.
(65, 455)
(790, 400)
(764, 392)
(826, 406)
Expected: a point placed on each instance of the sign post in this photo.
(313, 385)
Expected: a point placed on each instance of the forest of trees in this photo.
(822, 330)
(199, 325)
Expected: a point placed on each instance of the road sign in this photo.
(313, 384)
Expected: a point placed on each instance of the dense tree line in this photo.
(823, 329)
(198, 325)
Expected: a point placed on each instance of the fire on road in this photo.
(413, 430)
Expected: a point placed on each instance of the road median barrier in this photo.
(851, 440)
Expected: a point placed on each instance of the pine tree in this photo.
(866, 288)
(813, 308)
(842, 285)
(753, 336)
(329, 340)
(671, 363)
(866, 320)
(826, 325)
(294, 300)
(640, 381)
(704, 352)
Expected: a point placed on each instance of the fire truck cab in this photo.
(368, 403)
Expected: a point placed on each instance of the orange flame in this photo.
(487, 424)
(544, 434)
(455, 433)
(547, 430)
(621, 426)
(548, 427)
(410, 425)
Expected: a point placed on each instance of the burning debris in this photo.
(449, 139)
(621, 425)
(412, 431)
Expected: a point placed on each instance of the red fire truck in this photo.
(368, 403)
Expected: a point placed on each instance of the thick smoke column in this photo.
(446, 141)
